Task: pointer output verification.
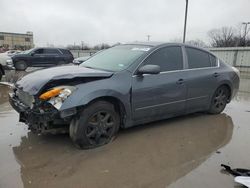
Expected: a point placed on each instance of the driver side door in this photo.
(155, 96)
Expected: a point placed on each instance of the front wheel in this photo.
(21, 65)
(219, 100)
(1, 74)
(96, 125)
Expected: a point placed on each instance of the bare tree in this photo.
(197, 42)
(223, 37)
(229, 37)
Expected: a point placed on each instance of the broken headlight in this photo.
(57, 95)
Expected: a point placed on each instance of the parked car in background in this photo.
(4, 57)
(123, 86)
(79, 60)
(41, 57)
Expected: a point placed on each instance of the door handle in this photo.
(180, 81)
(216, 74)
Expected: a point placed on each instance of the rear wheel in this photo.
(1, 74)
(96, 125)
(61, 62)
(21, 65)
(219, 100)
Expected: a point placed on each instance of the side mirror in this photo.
(149, 69)
(32, 53)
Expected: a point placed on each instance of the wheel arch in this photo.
(2, 70)
(118, 104)
(229, 87)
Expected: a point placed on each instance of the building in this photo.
(18, 41)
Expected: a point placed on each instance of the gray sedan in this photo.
(122, 87)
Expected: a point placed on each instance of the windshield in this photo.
(27, 51)
(117, 58)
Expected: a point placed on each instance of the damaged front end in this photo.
(42, 113)
(40, 96)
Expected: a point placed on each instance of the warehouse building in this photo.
(19, 41)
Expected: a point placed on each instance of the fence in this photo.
(235, 56)
(81, 53)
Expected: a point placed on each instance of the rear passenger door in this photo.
(202, 78)
(52, 56)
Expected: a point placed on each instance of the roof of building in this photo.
(23, 34)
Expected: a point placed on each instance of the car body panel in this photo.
(43, 77)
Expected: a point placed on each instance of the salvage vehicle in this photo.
(124, 86)
(41, 57)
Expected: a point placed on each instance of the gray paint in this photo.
(144, 97)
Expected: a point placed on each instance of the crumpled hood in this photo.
(33, 82)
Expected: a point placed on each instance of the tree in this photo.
(223, 37)
(197, 42)
(229, 37)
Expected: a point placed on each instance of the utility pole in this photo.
(148, 36)
(245, 31)
(82, 44)
(185, 22)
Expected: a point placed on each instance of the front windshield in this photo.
(27, 51)
(117, 58)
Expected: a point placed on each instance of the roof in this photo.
(146, 43)
(22, 34)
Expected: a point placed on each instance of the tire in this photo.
(61, 62)
(219, 100)
(95, 126)
(1, 74)
(21, 65)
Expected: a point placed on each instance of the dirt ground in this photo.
(180, 152)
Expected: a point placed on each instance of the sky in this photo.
(63, 22)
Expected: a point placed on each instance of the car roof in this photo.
(157, 44)
(50, 48)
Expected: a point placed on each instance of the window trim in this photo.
(156, 49)
(185, 62)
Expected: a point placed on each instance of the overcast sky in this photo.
(63, 22)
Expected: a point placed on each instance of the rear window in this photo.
(213, 60)
(66, 52)
(197, 58)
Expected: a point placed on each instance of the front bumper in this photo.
(37, 119)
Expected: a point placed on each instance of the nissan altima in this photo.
(124, 86)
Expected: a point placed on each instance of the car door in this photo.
(37, 58)
(202, 78)
(52, 56)
(162, 94)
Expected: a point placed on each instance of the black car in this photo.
(124, 86)
(41, 57)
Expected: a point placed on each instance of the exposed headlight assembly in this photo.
(57, 95)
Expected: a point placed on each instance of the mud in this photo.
(180, 152)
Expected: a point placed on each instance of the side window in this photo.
(39, 51)
(197, 58)
(168, 58)
(51, 51)
(213, 60)
(66, 52)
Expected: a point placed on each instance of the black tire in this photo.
(21, 65)
(1, 74)
(219, 100)
(61, 62)
(95, 126)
